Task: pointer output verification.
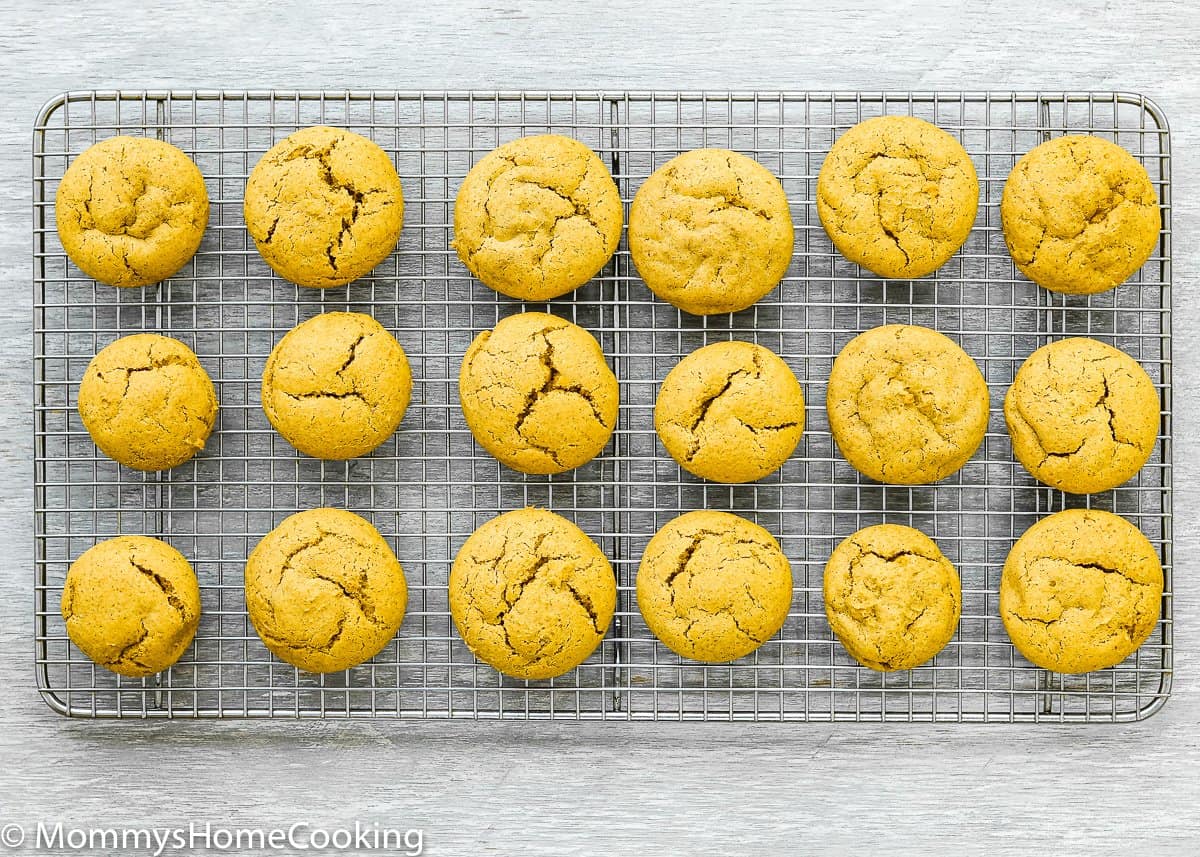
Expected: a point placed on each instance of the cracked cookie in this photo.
(891, 597)
(537, 393)
(710, 231)
(531, 594)
(1081, 591)
(324, 590)
(131, 211)
(147, 402)
(1079, 214)
(336, 386)
(730, 412)
(131, 604)
(1082, 415)
(897, 196)
(324, 206)
(713, 586)
(537, 217)
(906, 405)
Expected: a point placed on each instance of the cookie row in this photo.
(532, 595)
(906, 405)
(710, 231)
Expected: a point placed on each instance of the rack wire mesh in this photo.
(428, 487)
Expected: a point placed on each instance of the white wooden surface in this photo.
(607, 788)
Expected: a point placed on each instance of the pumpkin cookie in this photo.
(1081, 591)
(537, 217)
(1080, 215)
(531, 594)
(537, 394)
(325, 591)
(906, 405)
(730, 412)
(1083, 416)
(710, 231)
(713, 586)
(131, 604)
(131, 211)
(324, 206)
(336, 386)
(891, 597)
(897, 196)
(147, 402)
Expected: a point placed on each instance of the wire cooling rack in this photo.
(429, 487)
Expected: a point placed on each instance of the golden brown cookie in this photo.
(713, 586)
(537, 394)
(131, 604)
(131, 211)
(336, 386)
(537, 217)
(730, 412)
(710, 231)
(891, 597)
(906, 404)
(324, 590)
(324, 206)
(897, 196)
(1080, 215)
(531, 594)
(1082, 415)
(147, 402)
(1081, 590)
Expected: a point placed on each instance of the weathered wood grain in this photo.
(608, 788)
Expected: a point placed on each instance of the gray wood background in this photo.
(479, 789)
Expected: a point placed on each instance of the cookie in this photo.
(537, 394)
(537, 217)
(337, 385)
(1081, 590)
(897, 196)
(906, 405)
(1079, 214)
(324, 590)
(1083, 416)
(710, 231)
(891, 597)
(531, 594)
(324, 206)
(147, 402)
(713, 586)
(131, 211)
(131, 604)
(730, 412)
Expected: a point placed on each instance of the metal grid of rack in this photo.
(428, 487)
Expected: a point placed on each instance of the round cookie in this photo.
(1079, 214)
(1081, 591)
(730, 412)
(337, 385)
(531, 594)
(131, 211)
(891, 597)
(147, 402)
(537, 217)
(131, 604)
(537, 394)
(713, 586)
(324, 206)
(897, 196)
(906, 405)
(324, 590)
(710, 231)
(1082, 415)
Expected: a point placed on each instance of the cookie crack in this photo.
(168, 589)
(123, 657)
